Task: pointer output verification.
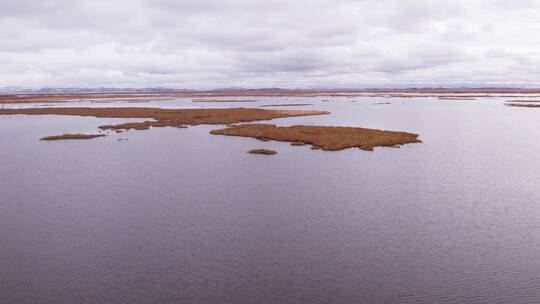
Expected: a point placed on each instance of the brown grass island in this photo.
(320, 137)
(246, 94)
(523, 105)
(323, 137)
(262, 152)
(179, 118)
(71, 136)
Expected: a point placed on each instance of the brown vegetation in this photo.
(523, 105)
(455, 98)
(179, 118)
(67, 97)
(72, 136)
(320, 137)
(287, 105)
(327, 138)
(223, 100)
(521, 101)
(391, 93)
(262, 151)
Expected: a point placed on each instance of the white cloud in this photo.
(251, 43)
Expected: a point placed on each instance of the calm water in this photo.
(182, 216)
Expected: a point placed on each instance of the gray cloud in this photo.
(251, 43)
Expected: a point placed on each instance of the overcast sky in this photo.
(267, 43)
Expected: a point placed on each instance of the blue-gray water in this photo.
(182, 216)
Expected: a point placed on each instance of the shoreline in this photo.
(207, 96)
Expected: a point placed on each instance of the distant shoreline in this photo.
(208, 95)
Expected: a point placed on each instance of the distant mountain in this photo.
(12, 89)
(330, 88)
(228, 89)
(19, 90)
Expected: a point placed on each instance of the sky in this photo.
(202, 44)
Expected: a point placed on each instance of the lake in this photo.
(181, 216)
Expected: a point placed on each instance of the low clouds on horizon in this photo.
(272, 43)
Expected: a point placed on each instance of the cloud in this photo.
(250, 43)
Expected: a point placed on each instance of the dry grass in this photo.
(320, 137)
(223, 100)
(326, 138)
(392, 93)
(287, 105)
(262, 152)
(72, 136)
(456, 98)
(523, 105)
(179, 118)
(522, 101)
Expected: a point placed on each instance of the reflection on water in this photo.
(181, 216)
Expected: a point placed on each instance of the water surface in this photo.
(182, 216)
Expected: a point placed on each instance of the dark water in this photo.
(181, 216)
